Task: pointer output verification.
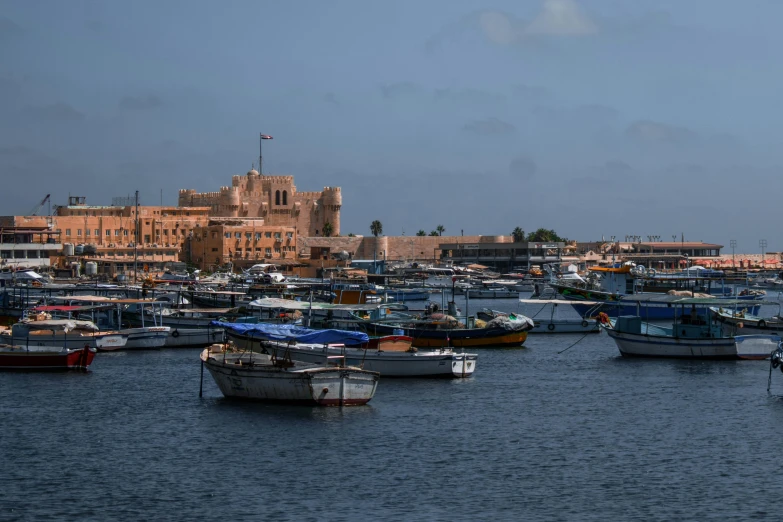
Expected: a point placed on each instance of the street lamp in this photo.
(763, 245)
(261, 152)
(733, 244)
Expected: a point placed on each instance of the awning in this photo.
(290, 332)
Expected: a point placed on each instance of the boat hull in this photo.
(21, 359)
(142, 339)
(560, 326)
(315, 387)
(388, 364)
(194, 337)
(466, 338)
(641, 345)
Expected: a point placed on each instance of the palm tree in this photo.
(421, 233)
(327, 229)
(441, 229)
(434, 233)
(376, 227)
(518, 234)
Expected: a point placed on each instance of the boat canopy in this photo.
(66, 325)
(290, 332)
(289, 304)
(680, 300)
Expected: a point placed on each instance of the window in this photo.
(238, 235)
(248, 235)
(289, 235)
(277, 250)
(277, 197)
(5, 254)
(108, 233)
(97, 232)
(214, 249)
(258, 236)
(165, 231)
(67, 231)
(277, 235)
(117, 232)
(87, 232)
(267, 234)
(78, 231)
(125, 233)
(228, 235)
(285, 197)
(268, 251)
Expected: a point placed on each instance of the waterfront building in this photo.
(28, 247)
(275, 199)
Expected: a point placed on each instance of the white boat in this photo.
(740, 321)
(692, 335)
(65, 333)
(391, 356)
(756, 346)
(547, 318)
(266, 377)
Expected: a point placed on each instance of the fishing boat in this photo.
(391, 356)
(620, 286)
(65, 333)
(741, 321)
(547, 318)
(692, 335)
(45, 358)
(243, 373)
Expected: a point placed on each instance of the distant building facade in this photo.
(275, 200)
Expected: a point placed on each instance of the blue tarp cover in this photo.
(290, 332)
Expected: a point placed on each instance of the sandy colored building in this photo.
(275, 199)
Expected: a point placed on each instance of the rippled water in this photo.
(533, 435)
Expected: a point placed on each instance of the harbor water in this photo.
(535, 434)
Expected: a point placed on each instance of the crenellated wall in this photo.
(273, 198)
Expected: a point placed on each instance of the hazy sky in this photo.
(603, 117)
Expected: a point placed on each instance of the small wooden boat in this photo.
(391, 356)
(243, 373)
(66, 333)
(693, 335)
(45, 358)
(736, 322)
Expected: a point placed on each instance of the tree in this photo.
(518, 234)
(544, 235)
(376, 227)
(421, 233)
(434, 233)
(351, 234)
(327, 229)
(441, 229)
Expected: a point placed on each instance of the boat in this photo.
(618, 288)
(440, 331)
(692, 335)
(546, 318)
(65, 333)
(741, 321)
(245, 374)
(45, 358)
(391, 356)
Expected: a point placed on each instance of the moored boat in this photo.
(45, 358)
(391, 356)
(241, 373)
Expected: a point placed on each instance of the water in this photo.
(582, 435)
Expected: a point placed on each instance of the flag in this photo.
(266, 137)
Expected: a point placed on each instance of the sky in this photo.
(595, 118)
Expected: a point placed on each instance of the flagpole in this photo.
(260, 155)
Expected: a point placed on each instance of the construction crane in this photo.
(35, 210)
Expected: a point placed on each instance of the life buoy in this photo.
(551, 326)
(762, 323)
(584, 324)
(559, 276)
(651, 272)
(175, 333)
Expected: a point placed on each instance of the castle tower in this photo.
(331, 202)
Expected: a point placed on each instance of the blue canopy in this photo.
(290, 332)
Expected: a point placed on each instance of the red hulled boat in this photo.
(45, 358)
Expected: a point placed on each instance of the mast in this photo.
(136, 243)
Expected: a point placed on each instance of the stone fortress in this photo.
(273, 199)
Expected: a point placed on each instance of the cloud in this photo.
(59, 111)
(490, 127)
(140, 103)
(561, 17)
(391, 91)
(500, 28)
(523, 168)
(530, 92)
(331, 98)
(469, 96)
(653, 132)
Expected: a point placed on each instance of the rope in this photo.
(577, 342)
